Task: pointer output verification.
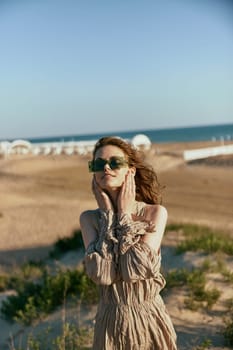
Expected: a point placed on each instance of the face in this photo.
(110, 179)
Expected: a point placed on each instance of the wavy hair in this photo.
(148, 188)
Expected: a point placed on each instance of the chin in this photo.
(111, 187)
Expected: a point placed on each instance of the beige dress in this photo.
(131, 314)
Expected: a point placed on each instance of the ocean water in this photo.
(187, 134)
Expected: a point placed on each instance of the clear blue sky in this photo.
(86, 66)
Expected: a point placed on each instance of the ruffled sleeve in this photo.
(136, 259)
(99, 258)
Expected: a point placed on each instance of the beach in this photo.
(43, 196)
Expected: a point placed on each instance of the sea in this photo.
(221, 132)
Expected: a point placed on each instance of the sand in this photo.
(42, 197)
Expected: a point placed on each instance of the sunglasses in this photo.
(99, 164)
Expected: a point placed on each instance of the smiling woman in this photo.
(122, 238)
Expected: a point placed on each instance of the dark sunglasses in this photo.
(113, 162)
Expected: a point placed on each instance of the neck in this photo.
(113, 194)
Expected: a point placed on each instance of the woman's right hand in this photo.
(126, 197)
(102, 198)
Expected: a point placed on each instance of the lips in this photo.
(108, 175)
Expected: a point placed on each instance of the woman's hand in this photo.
(102, 198)
(126, 197)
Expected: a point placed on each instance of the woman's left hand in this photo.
(126, 197)
(102, 198)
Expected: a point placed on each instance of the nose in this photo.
(107, 167)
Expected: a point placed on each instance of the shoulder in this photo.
(88, 213)
(154, 212)
(89, 226)
(157, 216)
(89, 216)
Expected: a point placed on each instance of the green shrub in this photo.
(66, 244)
(202, 238)
(73, 338)
(228, 332)
(176, 277)
(195, 280)
(4, 282)
(204, 345)
(30, 271)
(228, 321)
(70, 338)
(36, 299)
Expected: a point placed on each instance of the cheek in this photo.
(121, 177)
(97, 177)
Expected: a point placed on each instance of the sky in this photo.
(90, 66)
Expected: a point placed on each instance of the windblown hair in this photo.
(148, 189)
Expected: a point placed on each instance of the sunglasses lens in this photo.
(114, 163)
(117, 163)
(99, 164)
(96, 165)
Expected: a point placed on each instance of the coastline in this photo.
(43, 197)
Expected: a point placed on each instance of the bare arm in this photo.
(158, 216)
(88, 228)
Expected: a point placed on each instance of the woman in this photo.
(122, 240)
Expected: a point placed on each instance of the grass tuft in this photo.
(202, 238)
(70, 338)
(228, 322)
(204, 345)
(195, 280)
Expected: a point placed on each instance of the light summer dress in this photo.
(131, 314)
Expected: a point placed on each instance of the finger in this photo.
(130, 182)
(131, 185)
